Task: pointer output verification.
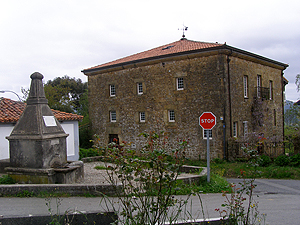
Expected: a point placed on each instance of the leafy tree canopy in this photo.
(291, 114)
(67, 94)
(298, 82)
(292, 110)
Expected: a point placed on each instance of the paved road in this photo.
(279, 199)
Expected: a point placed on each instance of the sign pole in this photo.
(208, 157)
(207, 121)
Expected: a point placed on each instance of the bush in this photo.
(85, 133)
(295, 160)
(264, 161)
(282, 160)
(147, 187)
(90, 152)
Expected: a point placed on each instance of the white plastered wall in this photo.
(70, 127)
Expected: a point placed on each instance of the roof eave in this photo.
(237, 50)
(229, 50)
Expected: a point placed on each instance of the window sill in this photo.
(171, 125)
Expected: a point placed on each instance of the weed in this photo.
(56, 217)
(148, 186)
(5, 179)
(240, 206)
(25, 194)
(239, 209)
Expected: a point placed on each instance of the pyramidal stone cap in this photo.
(37, 120)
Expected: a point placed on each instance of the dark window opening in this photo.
(113, 138)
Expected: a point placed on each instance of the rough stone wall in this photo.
(205, 90)
(269, 110)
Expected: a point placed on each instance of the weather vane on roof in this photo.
(184, 28)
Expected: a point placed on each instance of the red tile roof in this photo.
(10, 111)
(183, 45)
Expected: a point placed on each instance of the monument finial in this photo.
(37, 93)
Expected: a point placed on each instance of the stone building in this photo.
(169, 87)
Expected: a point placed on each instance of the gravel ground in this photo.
(94, 176)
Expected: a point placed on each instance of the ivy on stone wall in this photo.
(258, 110)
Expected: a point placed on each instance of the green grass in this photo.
(100, 167)
(217, 184)
(233, 170)
(277, 172)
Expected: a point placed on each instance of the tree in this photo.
(298, 82)
(65, 93)
(292, 110)
(71, 95)
(291, 114)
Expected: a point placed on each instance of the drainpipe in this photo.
(224, 132)
(282, 103)
(229, 94)
(229, 105)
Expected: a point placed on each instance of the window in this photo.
(245, 123)
(245, 86)
(113, 116)
(271, 89)
(171, 116)
(235, 127)
(112, 90)
(179, 82)
(205, 134)
(140, 88)
(142, 117)
(258, 86)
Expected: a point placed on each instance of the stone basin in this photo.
(72, 173)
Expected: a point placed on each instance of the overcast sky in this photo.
(60, 37)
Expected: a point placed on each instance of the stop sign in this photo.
(207, 120)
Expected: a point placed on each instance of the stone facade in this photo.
(213, 81)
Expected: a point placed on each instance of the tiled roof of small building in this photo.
(183, 45)
(10, 111)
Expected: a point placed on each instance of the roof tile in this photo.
(183, 45)
(10, 112)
